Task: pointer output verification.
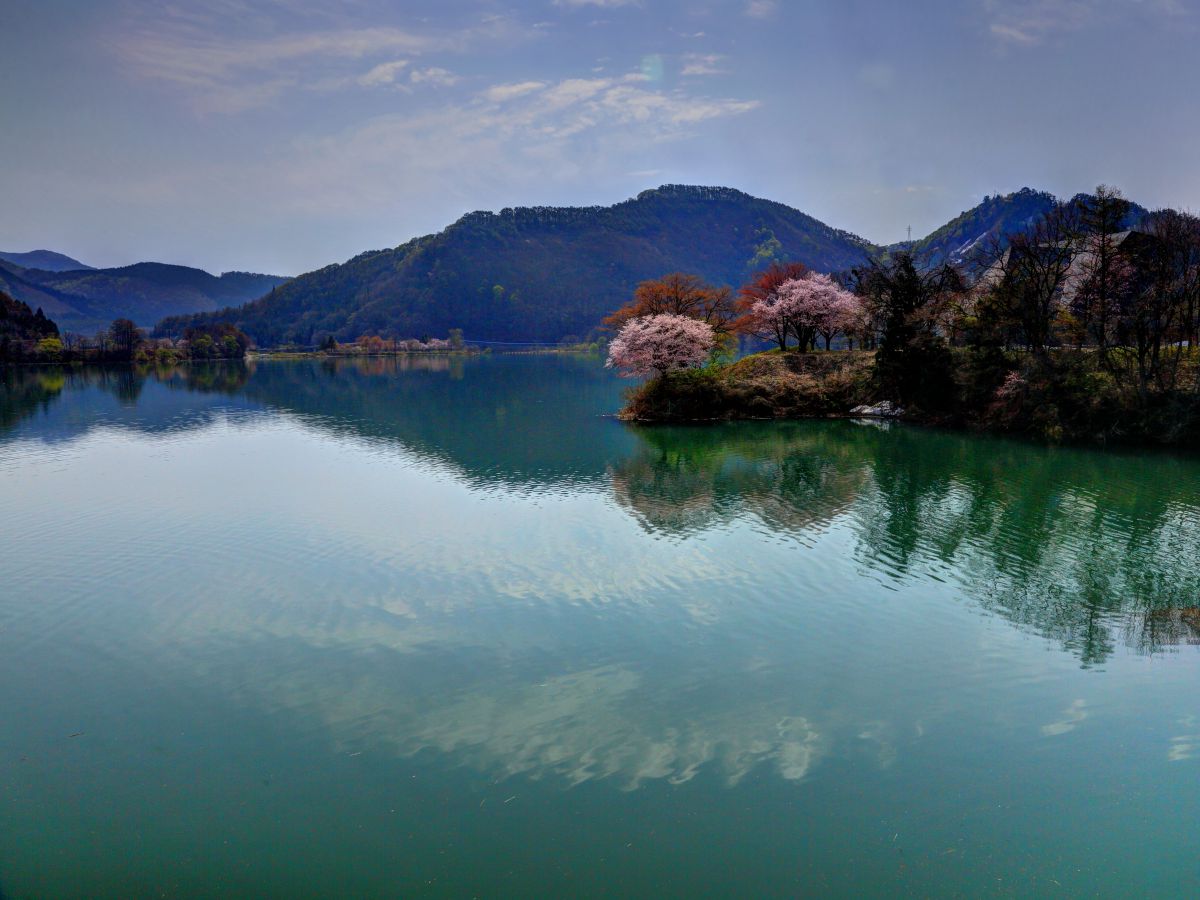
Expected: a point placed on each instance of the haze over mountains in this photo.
(47, 260)
(83, 299)
(525, 274)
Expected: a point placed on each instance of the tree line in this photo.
(30, 337)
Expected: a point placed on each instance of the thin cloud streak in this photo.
(232, 75)
(1028, 23)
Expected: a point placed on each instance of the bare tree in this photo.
(1104, 273)
(1159, 323)
(1029, 277)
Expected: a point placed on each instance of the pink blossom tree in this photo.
(842, 315)
(660, 344)
(761, 315)
(770, 316)
(816, 304)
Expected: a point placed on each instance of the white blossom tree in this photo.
(656, 345)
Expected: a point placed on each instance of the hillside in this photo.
(85, 300)
(47, 260)
(540, 273)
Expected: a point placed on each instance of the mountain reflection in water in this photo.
(1088, 548)
(367, 626)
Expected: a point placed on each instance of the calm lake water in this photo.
(444, 627)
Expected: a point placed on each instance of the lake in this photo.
(443, 626)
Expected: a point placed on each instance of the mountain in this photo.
(85, 300)
(541, 273)
(47, 299)
(974, 228)
(995, 218)
(47, 260)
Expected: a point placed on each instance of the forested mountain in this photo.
(84, 300)
(47, 260)
(993, 220)
(540, 273)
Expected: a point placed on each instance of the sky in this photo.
(283, 135)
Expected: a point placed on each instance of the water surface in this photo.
(445, 627)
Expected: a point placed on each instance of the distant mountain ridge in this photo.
(85, 300)
(526, 273)
(540, 273)
(994, 217)
(991, 221)
(46, 260)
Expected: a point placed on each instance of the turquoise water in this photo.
(446, 627)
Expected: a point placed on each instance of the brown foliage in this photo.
(682, 295)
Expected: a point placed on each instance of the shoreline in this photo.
(829, 385)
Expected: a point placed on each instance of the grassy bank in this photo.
(1073, 396)
(771, 385)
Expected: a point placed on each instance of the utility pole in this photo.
(910, 235)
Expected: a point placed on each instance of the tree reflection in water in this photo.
(1089, 548)
(1085, 547)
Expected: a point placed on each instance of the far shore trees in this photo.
(125, 337)
(220, 341)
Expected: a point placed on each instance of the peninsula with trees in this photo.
(1075, 327)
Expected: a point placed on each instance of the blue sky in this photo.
(282, 135)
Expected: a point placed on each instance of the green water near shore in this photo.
(445, 627)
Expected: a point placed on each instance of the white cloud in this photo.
(761, 9)
(696, 64)
(523, 133)
(384, 73)
(1073, 715)
(189, 58)
(604, 4)
(434, 76)
(227, 75)
(1013, 34)
(1027, 23)
(502, 92)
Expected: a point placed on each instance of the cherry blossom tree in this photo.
(843, 315)
(815, 304)
(761, 314)
(660, 344)
(770, 316)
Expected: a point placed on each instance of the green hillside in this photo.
(540, 273)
